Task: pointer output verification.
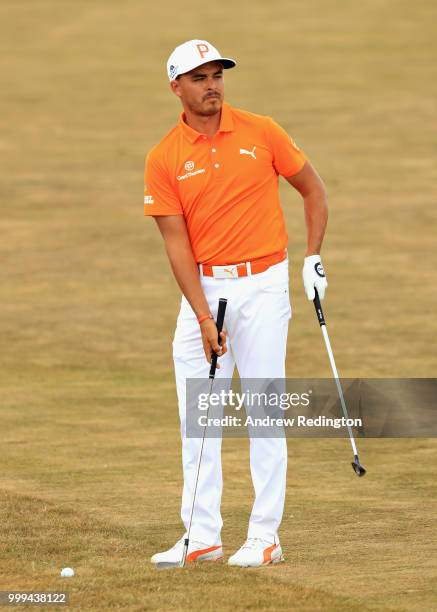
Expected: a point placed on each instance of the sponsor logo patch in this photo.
(173, 70)
(148, 199)
(246, 152)
(189, 167)
(203, 49)
(319, 269)
(188, 174)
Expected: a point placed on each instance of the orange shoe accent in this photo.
(198, 553)
(268, 553)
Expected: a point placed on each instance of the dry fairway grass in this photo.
(89, 466)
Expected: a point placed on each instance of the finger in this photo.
(223, 342)
(207, 350)
(321, 287)
(310, 291)
(216, 348)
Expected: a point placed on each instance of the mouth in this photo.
(212, 97)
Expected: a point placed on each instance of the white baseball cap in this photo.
(192, 54)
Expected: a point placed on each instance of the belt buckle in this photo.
(225, 271)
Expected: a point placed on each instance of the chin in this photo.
(212, 106)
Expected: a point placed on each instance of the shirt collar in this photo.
(226, 124)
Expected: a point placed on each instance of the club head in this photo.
(358, 468)
(174, 564)
(168, 565)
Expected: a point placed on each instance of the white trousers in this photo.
(256, 321)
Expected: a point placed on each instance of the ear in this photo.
(176, 88)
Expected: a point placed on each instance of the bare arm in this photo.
(180, 254)
(312, 189)
(178, 247)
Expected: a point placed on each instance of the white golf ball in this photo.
(67, 572)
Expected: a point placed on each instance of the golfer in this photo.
(212, 186)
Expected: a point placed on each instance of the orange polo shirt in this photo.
(227, 187)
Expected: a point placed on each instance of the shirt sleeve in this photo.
(288, 159)
(159, 196)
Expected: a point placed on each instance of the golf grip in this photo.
(318, 307)
(220, 320)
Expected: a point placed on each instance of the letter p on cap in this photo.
(203, 49)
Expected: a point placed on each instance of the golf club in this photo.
(220, 320)
(357, 467)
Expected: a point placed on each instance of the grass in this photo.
(90, 468)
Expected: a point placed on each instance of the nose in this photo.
(210, 83)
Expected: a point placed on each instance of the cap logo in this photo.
(203, 49)
(173, 70)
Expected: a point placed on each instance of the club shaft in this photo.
(199, 461)
(337, 382)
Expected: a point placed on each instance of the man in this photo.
(212, 186)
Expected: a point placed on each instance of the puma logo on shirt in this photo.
(246, 152)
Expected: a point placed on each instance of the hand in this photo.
(314, 277)
(209, 332)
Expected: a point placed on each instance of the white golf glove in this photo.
(314, 277)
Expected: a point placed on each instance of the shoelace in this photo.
(253, 543)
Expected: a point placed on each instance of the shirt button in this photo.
(214, 150)
(216, 165)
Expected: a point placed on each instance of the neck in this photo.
(205, 124)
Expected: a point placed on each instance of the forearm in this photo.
(178, 246)
(313, 191)
(316, 219)
(186, 273)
